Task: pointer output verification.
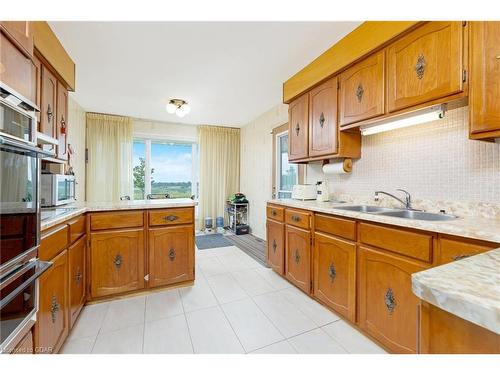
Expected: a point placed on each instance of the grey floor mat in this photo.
(253, 246)
(210, 241)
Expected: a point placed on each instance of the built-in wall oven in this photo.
(19, 217)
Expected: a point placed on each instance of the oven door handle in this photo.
(25, 147)
(41, 267)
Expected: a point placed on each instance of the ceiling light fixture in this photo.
(178, 106)
(414, 118)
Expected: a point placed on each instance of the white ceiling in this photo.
(229, 72)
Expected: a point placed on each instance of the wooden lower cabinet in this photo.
(117, 261)
(334, 273)
(171, 255)
(276, 246)
(52, 324)
(77, 257)
(26, 345)
(298, 257)
(387, 305)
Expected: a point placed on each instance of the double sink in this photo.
(401, 213)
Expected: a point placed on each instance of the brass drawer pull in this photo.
(118, 261)
(78, 276)
(275, 245)
(170, 218)
(390, 300)
(461, 256)
(297, 256)
(321, 119)
(359, 92)
(171, 254)
(54, 308)
(332, 273)
(420, 66)
(274, 213)
(296, 218)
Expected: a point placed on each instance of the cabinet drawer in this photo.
(114, 220)
(336, 226)
(412, 244)
(275, 213)
(171, 216)
(53, 242)
(76, 228)
(451, 249)
(299, 219)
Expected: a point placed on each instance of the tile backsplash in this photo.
(434, 161)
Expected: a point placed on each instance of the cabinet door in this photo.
(323, 119)
(61, 121)
(48, 100)
(298, 128)
(387, 305)
(21, 33)
(276, 246)
(171, 255)
(117, 262)
(485, 72)
(52, 319)
(425, 65)
(77, 254)
(362, 90)
(298, 257)
(37, 85)
(334, 274)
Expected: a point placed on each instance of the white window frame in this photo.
(278, 165)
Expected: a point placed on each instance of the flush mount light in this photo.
(402, 121)
(179, 107)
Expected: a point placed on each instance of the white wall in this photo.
(256, 164)
(76, 138)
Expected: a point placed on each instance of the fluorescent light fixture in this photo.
(409, 119)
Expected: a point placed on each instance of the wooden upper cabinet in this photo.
(61, 121)
(276, 246)
(484, 89)
(362, 90)
(387, 305)
(171, 255)
(21, 32)
(77, 256)
(298, 257)
(298, 128)
(48, 103)
(117, 261)
(334, 263)
(425, 65)
(52, 319)
(323, 127)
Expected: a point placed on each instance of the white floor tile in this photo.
(211, 332)
(196, 297)
(289, 320)
(314, 310)
(235, 262)
(225, 288)
(205, 253)
(123, 341)
(251, 282)
(252, 327)
(78, 346)
(163, 305)
(277, 282)
(211, 266)
(316, 342)
(168, 336)
(90, 320)
(228, 250)
(351, 339)
(282, 347)
(124, 313)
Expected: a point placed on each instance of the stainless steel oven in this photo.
(57, 189)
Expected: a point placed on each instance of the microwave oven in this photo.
(57, 189)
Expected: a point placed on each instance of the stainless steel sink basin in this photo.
(366, 209)
(418, 215)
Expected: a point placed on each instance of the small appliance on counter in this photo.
(57, 189)
(322, 194)
(304, 192)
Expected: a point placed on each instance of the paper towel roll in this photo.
(341, 167)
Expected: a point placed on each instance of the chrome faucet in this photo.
(406, 202)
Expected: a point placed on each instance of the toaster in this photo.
(304, 192)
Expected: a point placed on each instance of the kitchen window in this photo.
(163, 167)
(287, 174)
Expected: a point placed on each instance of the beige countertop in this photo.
(469, 227)
(57, 215)
(468, 288)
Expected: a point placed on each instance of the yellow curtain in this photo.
(109, 168)
(219, 169)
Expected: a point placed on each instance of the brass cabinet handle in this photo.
(390, 300)
(54, 308)
(78, 276)
(460, 256)
(275, 245)
(497, 57)
(420, 66)
(359, 92)
(274, 213)
(170, 218)
(296, 218)
(321, 119)
(118, 261)
(297, 256)
(332, 273)
(297, 129)
(49, 113)
(171, 254)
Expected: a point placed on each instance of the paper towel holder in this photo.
(347, 164)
